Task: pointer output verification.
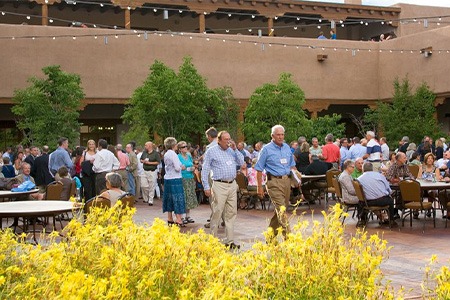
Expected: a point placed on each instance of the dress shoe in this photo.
(207, 225)
(232, 246)
(150, 204)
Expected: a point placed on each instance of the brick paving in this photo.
(410, 253)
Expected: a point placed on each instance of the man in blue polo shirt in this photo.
(277, 159)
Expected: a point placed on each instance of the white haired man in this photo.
(373, 154)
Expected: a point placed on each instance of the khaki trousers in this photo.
(279, 190)
(124, 175)
(224, 201)
(148, 185)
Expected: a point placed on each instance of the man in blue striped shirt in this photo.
(222, 160)
(277, 159)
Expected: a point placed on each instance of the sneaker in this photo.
(190, 220)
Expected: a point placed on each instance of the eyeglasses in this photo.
(181, 147)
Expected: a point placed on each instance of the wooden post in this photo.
(270, 26)
(201, 23)
(127, 18)
(44, 14)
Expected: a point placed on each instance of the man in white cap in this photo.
(373, 154)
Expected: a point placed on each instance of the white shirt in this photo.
(172, 165)
(385, 151)
(140, 166)
(441, 162)
(374, 150)
(105, 161)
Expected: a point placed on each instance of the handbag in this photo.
(86, 167)
(24, 186)
(8, 183)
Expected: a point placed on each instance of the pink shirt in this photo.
(251, 177)
(124, 161)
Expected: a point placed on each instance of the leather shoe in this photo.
(232, 246)
(207, 225)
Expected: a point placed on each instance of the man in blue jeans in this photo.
(377, 191)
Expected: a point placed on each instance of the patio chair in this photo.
(366, 208)
(97, 201)
(245, 194)
(127, 200)
(330, 188)
(340, 199)
(414, 169)
(413, 201)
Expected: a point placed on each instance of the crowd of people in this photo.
(178, 172)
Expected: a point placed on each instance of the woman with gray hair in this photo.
(173, 199)
(113, 184)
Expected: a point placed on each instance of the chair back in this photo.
(97, 201)
(330, 174)
(127, 200)
(54, 190)
(410, 190)
(337, 187)
(73, 189)
(359, 191)
(241, 180)
(414, 169)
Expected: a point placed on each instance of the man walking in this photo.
(277, 159)
(222, 160)
(150, 160)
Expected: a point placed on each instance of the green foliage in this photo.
(273, 104)
(178, 105)
(48, 108)
(322, 126)
(224, 110)
(410, 114)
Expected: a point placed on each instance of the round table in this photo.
(426, 185)
(9, 194)
(314, 177)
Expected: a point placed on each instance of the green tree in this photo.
(410, 114)
(49, 107)
(273, 104)
(224, 110)
(321, 126)
(178, 105)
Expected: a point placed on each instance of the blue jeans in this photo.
(131, 184)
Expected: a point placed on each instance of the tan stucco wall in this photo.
(420, 12)
(115, 70)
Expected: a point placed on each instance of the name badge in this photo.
(229, 163)
(283, 161)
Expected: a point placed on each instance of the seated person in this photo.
(377, 191)
(414, 161)
(357, 171)
(317, 167)
(345, 179)
(8, 169)
(399, 170)
(25, 176)
(64, 176)
(251, 177)
(113, 191)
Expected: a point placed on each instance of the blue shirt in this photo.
(59, 158)
(357, 150)
(345, 154)
(375, 185)
(222, 163)
(276, 160)
(188, 173)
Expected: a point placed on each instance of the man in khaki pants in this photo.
(222, 159)
(277, 159)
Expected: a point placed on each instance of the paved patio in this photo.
(411, 249)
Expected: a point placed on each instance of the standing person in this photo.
(124, 163)
(211, 136)
(140, 172)
(173, 200)
(276, 158)
(105, 161)
(384, 150)
(373, 154)
(60, 157)
(345, 153)
(150, 160)
(40, 169)
(315, 149)
(132, 169)
(34, 152)
(222, 160)
(87, 174)
(331, 153)
(357, 150)
(188, 180)
(332, 35)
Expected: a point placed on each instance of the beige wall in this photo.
(115, 70)
(409, 11)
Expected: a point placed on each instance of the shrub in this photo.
(111, 257)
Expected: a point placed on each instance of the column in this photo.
(270, 26)
(201, 22)
(127, 18)
(44, 14)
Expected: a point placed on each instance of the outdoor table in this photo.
(34, 209)
(16, 195)
(314, 177)
(426, 185)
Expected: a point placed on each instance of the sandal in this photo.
(180, 224)
(170, 223)
(189, 220)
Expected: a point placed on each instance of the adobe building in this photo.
(238, 43)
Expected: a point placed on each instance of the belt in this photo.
(121, 169)
(270, 176)
(224, 181)
(376, 160)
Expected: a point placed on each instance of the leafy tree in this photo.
(178, 105)
(273, 104)
(224, 110)
(411, 114)
(49, 108)
(321, 126)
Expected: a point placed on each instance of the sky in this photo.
(444, 3)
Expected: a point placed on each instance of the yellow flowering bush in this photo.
(111, 257)
(436, 282)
